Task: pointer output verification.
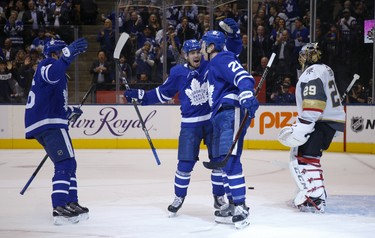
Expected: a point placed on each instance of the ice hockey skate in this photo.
(64, 216)
(313, 205)
(83, 212)
(219, 201)
(175, 206)
(225, 213)
(241, 217)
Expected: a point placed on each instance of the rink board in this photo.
(118, 126)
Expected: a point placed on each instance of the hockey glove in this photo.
(136, 94)
(296, 134)
(230, 26)
(74, 113)
(249, 102)
(75, 48)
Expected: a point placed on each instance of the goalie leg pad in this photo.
(308, 176)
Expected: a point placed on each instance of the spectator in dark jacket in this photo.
(106, 38)
(32, 21)
(185, 31)
(102, 72)
(283, 48)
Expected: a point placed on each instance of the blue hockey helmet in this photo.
(190, 45)
(53, 46)
(214, 37)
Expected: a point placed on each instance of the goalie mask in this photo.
(309, 55)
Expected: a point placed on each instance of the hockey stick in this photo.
(116, 55)
(355, 78)
(221, 164)
(46, 156)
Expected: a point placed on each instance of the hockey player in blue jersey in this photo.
(189, 81)
(231, 92)
(46, 120)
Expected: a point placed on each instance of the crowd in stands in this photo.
(280, 26)
(25, 26)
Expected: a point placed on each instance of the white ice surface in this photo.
(128, 193)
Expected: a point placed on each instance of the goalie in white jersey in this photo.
(320, 115)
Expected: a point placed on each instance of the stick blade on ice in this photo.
(120, 44)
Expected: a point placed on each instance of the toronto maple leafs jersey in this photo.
(317, 97)
(46, 106)
(192, 89)
(227, 79)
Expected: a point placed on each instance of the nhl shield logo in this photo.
(357, 124)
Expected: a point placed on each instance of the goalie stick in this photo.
(116, 55)
(46, 156)
(221, 164)
(355, 78)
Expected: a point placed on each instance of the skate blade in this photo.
(83, 216)
(172, 214)
(242, 224)
(59, 220)
(224, 220)
(312, 209)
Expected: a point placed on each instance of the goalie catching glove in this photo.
(296, 134)
(136, 94)
(230, 26)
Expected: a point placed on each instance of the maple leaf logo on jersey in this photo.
(197, 93)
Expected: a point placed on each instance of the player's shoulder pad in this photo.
(47, 61)
(224, 57)
(179, 69)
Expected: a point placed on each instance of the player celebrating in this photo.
(320, 115)
(189, 81)
(231, 92)
(46, 120)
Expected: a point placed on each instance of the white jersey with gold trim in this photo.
(317, 97)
